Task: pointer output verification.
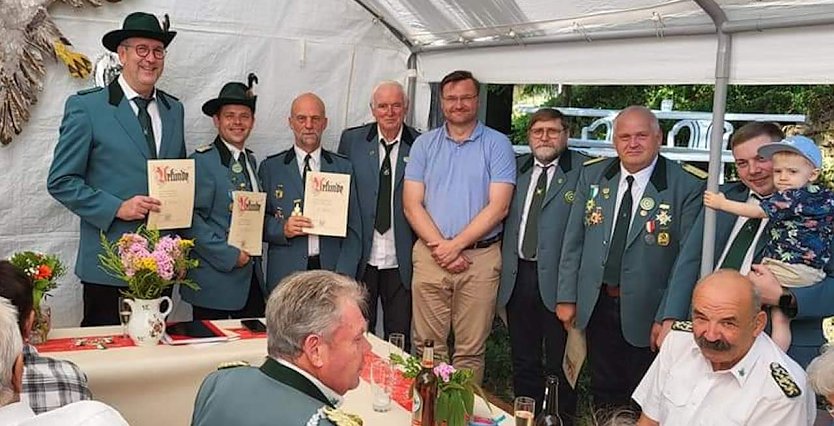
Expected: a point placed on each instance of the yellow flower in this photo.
(185, 244)
(146, 263)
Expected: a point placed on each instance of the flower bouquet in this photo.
(44, 271)
(455, 395)
(455, 390)
(147, 262)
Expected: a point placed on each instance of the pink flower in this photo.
(444, 371)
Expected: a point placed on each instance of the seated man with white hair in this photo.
(14, 412)
(316, 345)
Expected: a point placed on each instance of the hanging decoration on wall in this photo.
(29, 35)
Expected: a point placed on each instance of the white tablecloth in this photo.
(156, 386)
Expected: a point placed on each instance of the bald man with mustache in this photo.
(721, 369)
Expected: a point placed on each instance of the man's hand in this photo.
(714, 200)
(766, 283)
(444, 252)
(294, 226)
(566, 312)
(459, 265)
(242, 259)
(665, 328)
(655, 336)
(137, 208)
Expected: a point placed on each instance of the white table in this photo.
(157, 385)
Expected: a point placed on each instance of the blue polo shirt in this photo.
(457, 175)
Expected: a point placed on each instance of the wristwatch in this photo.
(787, 303)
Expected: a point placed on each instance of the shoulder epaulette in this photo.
(168, 95)
(784, 380)
(90, 90)
(593, 161)
(695, 171)
(279, 153)
(204, 148)
(232, 364)
(682, 326)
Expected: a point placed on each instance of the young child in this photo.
(801, 221)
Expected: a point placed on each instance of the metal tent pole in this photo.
(719, 105)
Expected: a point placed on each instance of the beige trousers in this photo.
(793, 274)
(789, 275)
(463, 303)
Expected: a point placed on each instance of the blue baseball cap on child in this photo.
(798, 144)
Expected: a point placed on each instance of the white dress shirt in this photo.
(641, 180)
(236, 157)
(534, 178)
(81, 413)
(330, 394)
(681, 388)
(383, 248)
(751, 251)
(153, 110)
(315, 165)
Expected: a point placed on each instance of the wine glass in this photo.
(397, 340)
(124, 315)
(523, 409)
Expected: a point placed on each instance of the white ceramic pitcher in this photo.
(147, 323)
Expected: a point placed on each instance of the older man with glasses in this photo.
(99, 169)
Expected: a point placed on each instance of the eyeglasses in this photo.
(456, 99)
(551, 133)
(143, 50)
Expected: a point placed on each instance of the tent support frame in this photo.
(719, 106)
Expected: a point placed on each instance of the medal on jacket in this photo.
(237, 167)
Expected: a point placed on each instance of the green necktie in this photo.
(613, 265)
(244, 163)
(145, 122)
(383, 200)
(741, 244)
(529, 245)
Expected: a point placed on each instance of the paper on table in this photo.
(172, 183)
(246, 229)
(575, 351)
(326, 198)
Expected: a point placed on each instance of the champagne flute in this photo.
(523, 409)
(124, 315)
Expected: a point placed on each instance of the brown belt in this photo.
(611, 291)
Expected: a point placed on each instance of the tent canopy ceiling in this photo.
(590, 32)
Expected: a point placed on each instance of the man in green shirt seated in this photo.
(316, 345)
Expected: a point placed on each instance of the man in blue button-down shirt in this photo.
(459, 183)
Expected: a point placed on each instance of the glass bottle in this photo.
(425, 389)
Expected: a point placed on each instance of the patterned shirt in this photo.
(51, 383)
(801, 226)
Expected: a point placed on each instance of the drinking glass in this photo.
(124, 315)
(523, 409)
(382, 384)
(397, 340)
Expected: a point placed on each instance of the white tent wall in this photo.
(777, 56)
(332, 47)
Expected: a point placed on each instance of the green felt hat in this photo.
(139, 24)
(233, 93)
